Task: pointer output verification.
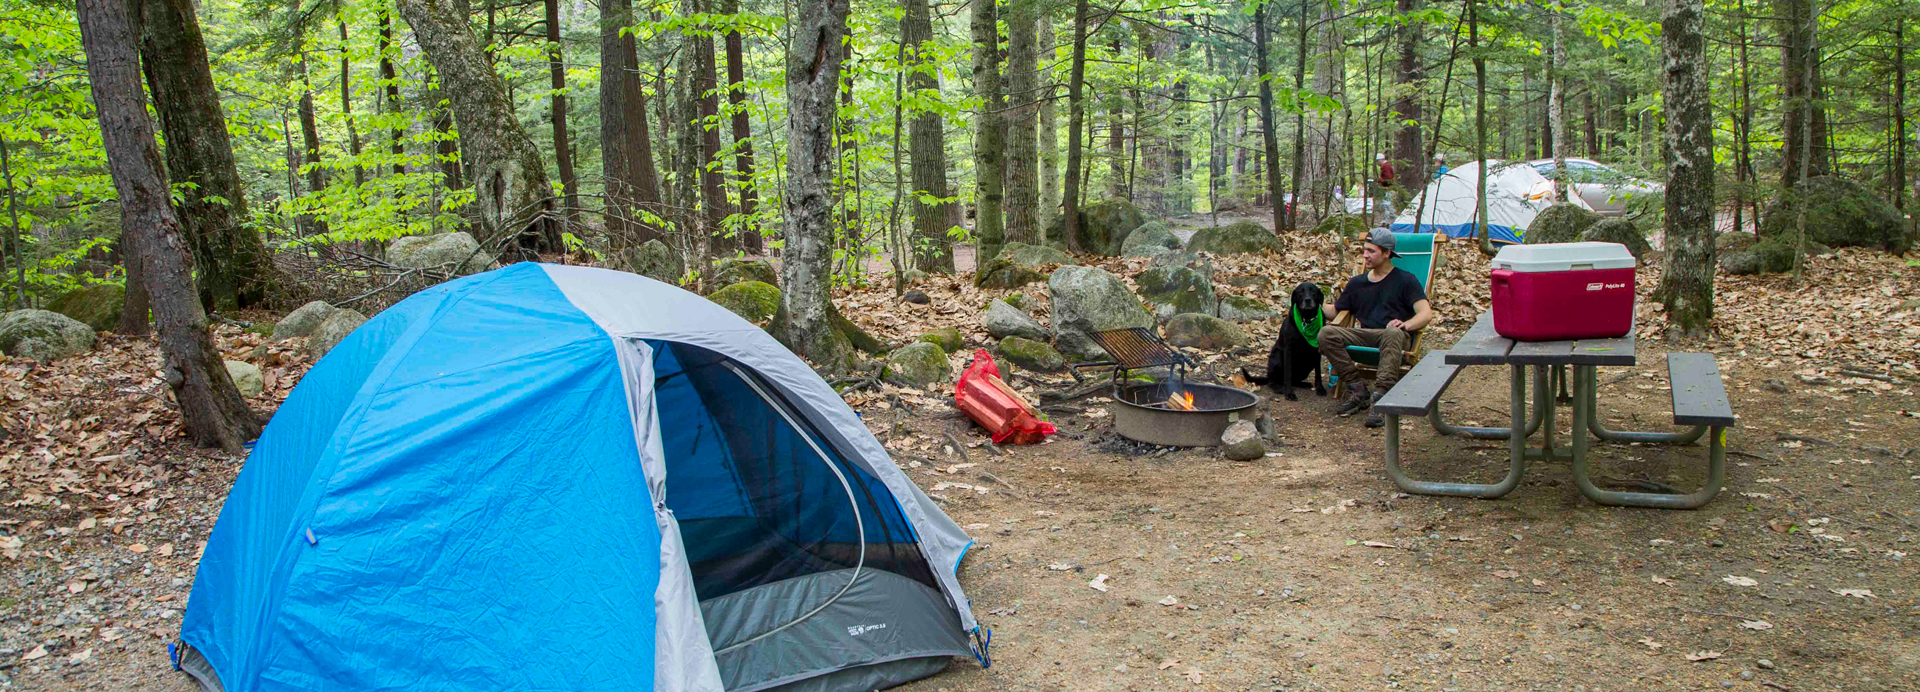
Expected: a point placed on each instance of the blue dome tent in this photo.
(1450, 203)
(563, 478)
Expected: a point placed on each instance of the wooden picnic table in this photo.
(1699, 401)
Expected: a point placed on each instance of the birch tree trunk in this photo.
(804, 322)
(626, 151)
(932, 251)
(1023, 157)
(1687, 283)
(511, 191)
(214, 413)
(232, 257)
(989, 227)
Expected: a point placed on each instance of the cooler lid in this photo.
(1560, 257)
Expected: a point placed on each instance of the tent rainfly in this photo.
(1515, 194)
(564, 478)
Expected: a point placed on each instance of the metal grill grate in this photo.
(1136, 347)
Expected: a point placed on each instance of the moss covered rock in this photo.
(1347, 226)
(1560, 223)
(1019, 264)
(1179, 289)
(655, 260)
(1620, 231)
(1233, 239)
(1773, 256)
(1151, 238)
(754, 300)
(1733, 241)
(948, 339)
(728, 272)
(920, 363)
(97, 306)
(1103, 226)
(1030, 354)
(1242, 309)
(1842, 214)
(1087, 300)
(43, 335)
(1204, 332)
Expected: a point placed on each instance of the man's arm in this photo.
(1422, 314)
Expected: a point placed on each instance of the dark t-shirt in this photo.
(1375, 303)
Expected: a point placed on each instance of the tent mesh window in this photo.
(756, 504)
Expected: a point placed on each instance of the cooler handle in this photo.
(1584, 265)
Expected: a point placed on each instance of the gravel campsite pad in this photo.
(1107, 565)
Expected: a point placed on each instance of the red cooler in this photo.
(1563, 291)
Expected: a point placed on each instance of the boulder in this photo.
(247, 377)
(1344, 226)
(754, 300)
(728, 272)
(1104, 226)
(920, 363)
(656, 260)
(1619, 230)
(1771, 257)
(1560, 223)
(97, 306)
(1019, 264)
(1733, 241)
(441, 249)
(1003, 320)
(43, 335)
(1088, 300)
(1204, 332)
(1030, 354)
(1151, 238)
(1242, 237)
(1241, 442)
(1175, 290)
(302, 321)
(338, 324)
(947, 338)
(1843, 214)
(1242, 309)
(916, 297)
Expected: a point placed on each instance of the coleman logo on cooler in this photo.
(1598, 286)
(1594, 286)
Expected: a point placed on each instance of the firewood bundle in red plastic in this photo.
(1007, 416)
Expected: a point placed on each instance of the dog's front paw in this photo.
(1319, 391)
(1290, 396)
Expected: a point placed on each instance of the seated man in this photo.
(1388, 305)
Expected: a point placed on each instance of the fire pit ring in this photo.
(1141, 413)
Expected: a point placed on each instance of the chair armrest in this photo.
(1343, 319)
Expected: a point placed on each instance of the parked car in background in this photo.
(1608, 191)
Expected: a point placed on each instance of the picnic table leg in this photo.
(1584, 384)
(1492, 433)
(1516, 447)
(1589, 380)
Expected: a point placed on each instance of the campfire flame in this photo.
(1181, 401)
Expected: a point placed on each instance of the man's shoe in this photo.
(1357, 398)
(1375, 418)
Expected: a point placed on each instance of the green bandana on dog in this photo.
(1311, 330)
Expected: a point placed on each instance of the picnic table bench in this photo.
(1699, 400)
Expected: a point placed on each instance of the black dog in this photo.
(1292, 357)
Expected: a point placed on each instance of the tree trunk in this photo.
(1557, 107)
(1408, 147)
(933, 251)
(805, 322)
(1267, 135)
(1800, 77)
(713, 178)
(1299, 120)
(626, 151)
(310, 143)
(390, 82)
(510, 179)
(1076, 119)
(742, 133)
(1023, 157)
(1049, 129)
(1687, 282)
(1325, 148)
(230, 254)
(562, 143)
(446, 147)
(1117, 138)
(1479, 130)
(346, 106)
(989, 227)
(1900, 184)
(211, 408)
(1593, 126)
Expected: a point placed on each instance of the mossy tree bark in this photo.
(1687, 283)
(211, 408)
(232, 257)
(511, 192)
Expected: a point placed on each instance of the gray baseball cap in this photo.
(1383, 238)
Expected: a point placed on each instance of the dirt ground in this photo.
(1306, 570)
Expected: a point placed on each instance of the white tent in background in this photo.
(1515, 194)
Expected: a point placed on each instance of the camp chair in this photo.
(1417, 252)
